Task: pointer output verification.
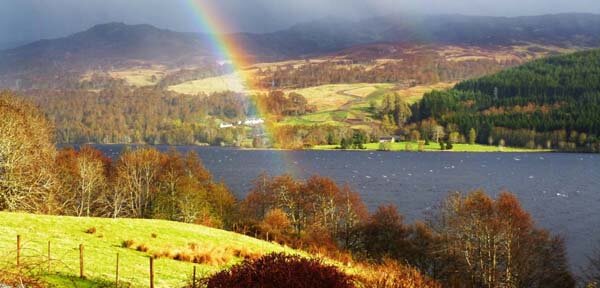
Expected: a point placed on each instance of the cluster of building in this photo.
(248, 122)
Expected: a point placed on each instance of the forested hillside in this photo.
(551, 103)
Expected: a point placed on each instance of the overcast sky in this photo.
(26, 20)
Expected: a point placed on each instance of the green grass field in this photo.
(434, 147)
(101, 248)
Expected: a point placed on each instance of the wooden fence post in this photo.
(117, 272)
(81, 275)
(49, 258)
(151, 272)
(194, 278)
(18, 251)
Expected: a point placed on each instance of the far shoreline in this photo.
(369, 147)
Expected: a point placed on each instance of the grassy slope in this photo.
(139, 77)
(66, 233)
(413, 146)
(209, 85)
(332, 101)
(333, 96)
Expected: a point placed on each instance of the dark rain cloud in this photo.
(25, 20)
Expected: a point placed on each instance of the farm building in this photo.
(387, 139)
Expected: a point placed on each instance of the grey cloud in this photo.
(23, 20)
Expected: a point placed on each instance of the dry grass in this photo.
(391, 274)
(200, 254)
(229, 82)
(293, 63)
(139, 77)
(414, 94)
(333, 96)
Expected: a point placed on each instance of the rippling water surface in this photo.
(561, 191)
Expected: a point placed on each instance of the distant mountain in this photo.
(113, 45)
(582, 30)
(107, 44)
(12, 44)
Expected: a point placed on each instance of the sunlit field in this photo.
(101, 248)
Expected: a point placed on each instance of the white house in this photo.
(225, 125)
(387, 139)
(254, 121)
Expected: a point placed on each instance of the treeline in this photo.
(421, 69)
(150, 115)
(549, 103)
(298, 136)
(142, 183)
(276, 103)
(122, 114)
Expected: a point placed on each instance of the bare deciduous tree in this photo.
(27, 180)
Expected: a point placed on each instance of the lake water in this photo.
(561, 191)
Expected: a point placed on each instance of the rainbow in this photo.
(223, 45)
(226, 48)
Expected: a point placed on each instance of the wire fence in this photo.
(86, 262)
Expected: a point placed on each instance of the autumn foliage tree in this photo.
(384, 234)
(494, 243)
(83, 176)
(151, 184)
(317, 204)
(138, 173)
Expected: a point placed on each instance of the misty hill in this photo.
(113, 45)
(108, 44)
(582, 30)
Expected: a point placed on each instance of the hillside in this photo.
(109, 44)
(332, 34)
(118, 46)
(552, 102)
(101, 247)
(103, 84)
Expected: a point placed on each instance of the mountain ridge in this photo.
(115, 44)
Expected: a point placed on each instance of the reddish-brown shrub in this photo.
(142, 248)
(164, 254)
(246, 254)
(9, 279)
(127, 243)
(184, 256)
(281, 270)
(91, 230)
